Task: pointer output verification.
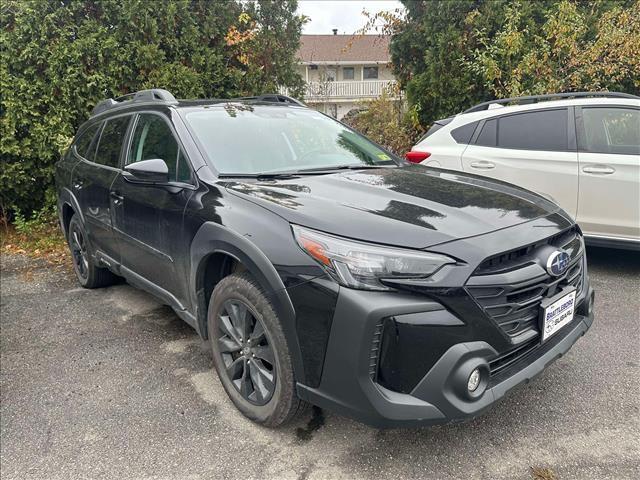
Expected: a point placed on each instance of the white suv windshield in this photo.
(261, 139)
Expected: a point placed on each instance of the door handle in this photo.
(78, 184)
(117, 198)
(483, 165)
(599, 169)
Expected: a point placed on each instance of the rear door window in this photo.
(540, 130)
(86, 142)
(110, 144)
(487, 137)
(611, 130)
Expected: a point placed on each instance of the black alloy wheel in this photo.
(79, 251)
(246, 352)
(88, 273)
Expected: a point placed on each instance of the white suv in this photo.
(581, 150)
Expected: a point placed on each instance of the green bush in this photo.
(59, 58)
(384, 121)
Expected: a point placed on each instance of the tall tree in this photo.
(572, 49)
(427, 52)
(449, 55)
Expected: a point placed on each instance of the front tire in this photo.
(89, 275)
(250, 352)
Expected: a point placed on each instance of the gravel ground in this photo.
(111, 384)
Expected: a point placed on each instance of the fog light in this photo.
(474, 380)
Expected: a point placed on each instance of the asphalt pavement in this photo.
(111, 384)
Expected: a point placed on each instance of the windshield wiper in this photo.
(259, 176)
(304, 171)
(352, 166)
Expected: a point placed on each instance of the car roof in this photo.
(529, 99)
(552, 103)
(222, 103)
(160, 97)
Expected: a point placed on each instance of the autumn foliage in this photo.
(452, 54)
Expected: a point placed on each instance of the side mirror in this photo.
(148, 171)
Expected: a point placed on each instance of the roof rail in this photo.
(155, 94)
(537, 98)
(273, 97)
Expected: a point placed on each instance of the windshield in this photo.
(259, 139)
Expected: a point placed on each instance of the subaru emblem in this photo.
(558, 263)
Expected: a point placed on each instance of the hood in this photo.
(411, 206)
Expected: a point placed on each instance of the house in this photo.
(342, 70)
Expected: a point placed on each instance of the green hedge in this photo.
(59, 58)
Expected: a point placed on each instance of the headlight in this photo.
(360, 265)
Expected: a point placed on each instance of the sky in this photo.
(345, 15)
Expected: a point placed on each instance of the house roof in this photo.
(344, 48)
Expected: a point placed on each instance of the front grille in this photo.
(509, 287)
(569, 240)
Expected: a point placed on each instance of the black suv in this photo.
(322, 268)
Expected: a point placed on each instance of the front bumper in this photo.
(348, 385)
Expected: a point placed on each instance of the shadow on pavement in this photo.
(613, 260)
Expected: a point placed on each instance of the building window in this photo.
(348, 73)
(330, 75)
(370, 73)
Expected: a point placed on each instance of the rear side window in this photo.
(541, 130)
(153, 138)
(110, 143)
(611, 130)
(85, 144)
(437, 125)
(464, 133)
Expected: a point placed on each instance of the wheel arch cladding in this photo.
(68, 205)
(67, 212)
(212, 239)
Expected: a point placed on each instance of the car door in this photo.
(91, 183)
(533, 149)
(609, 158)
(148, 217)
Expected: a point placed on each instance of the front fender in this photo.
(213, 238)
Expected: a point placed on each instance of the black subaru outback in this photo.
(322, 268)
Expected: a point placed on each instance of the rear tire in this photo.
(250, 352)
(88, 274)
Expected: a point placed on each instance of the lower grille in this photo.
(512, 292)
(514, 360)
(505, 360)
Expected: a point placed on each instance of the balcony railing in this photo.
(322, 91)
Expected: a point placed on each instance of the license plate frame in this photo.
(552, 322)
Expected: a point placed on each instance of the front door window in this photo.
(154, 139)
